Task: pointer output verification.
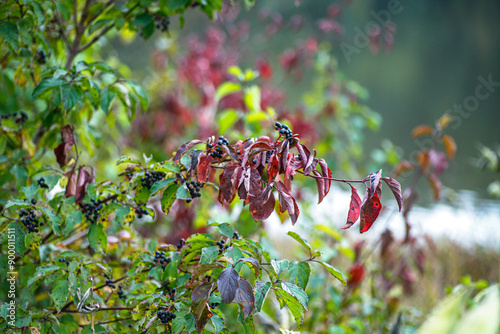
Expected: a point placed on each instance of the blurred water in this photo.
(473, 222)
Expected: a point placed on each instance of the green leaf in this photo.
(20, 174)
(10, 33)
(300, 272)
(107, 97)
(247, 324)
(297, 292)
(252, 98)
(42, 272)
(60, 292)
(280, 266)
(54, 219)
(293, 304)
(51, 180)
(45, 84)
(160, 185)
(183, 193)
(141, 94)
(121, 213)
(225, 89)
(482, 318)
(227, 119)
(178, 4)
(141, 194)
(237, 72)
(169, 197)
(261, 290)
(446, 314)
(70, 96)
(334, 272)
(33, 240)
(218, 323)
(20, 234)
(31, 191)
(301, 240)
(16, 202)
(223, 228)
(97, 236)
(208, 254)
(72, 218)
(126, 159)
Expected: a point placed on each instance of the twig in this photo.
(331, 178)
(61, 26)
(101, 309)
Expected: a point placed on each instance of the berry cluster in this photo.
(161, 259)
(283, 129)
(64, 261)
(150, 178)
(236, 235)
(19, 117)
(214, 305)
(221, 245)
(181, 243)
(31, 221)
(41, 183)
(91, 211)
(162, 23)
(194, 188)
(121, 294)
(217, 152)
(109, 282)
(41, 57)
(140, 212)
(165, 316)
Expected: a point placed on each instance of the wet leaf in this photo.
(369, 212)
(228, 283)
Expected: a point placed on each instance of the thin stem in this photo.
(109, 321)
(332, 178)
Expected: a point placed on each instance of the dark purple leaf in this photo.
(262, 207)
(311, 163)
(273, 167)
(287, 202)
(68, 140)
(226, 189)
(284, 156)
(227, 283)
(253, 262)
(244, 297)
(396, 190)
(81, 184)
(321, 186)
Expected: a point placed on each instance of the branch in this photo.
(101, 309)
(104, 31)
(59, 22)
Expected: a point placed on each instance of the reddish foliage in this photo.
(355, 275)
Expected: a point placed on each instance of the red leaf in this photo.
(284, 156)
(287, 202)
(396, 190)
(272, 167)
(369, 212)
(185, 147)
(263, 206)
(311, 163)
(226, 189)
(354, 208)
(204, 167)
(68, 140)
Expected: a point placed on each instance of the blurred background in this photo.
(354, 90)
